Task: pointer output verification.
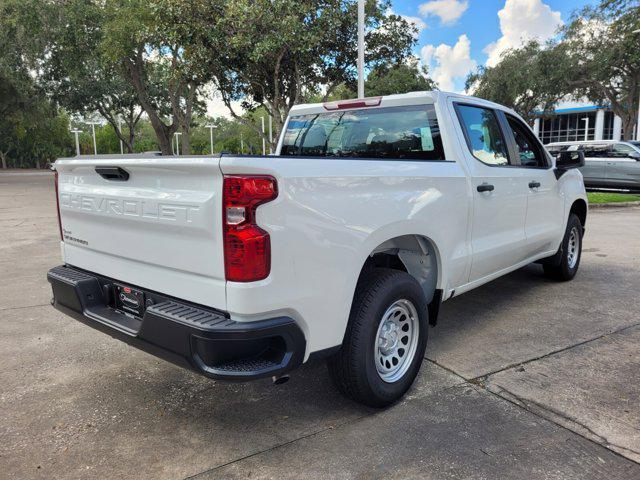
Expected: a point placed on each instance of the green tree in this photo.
(31, 129)
(401, 78)
(77, 74)
(530, 79)
(603, 59)
(272, 54)
(33, 137)
(157, 63)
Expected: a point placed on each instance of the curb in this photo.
(26, 173)
(613, 205)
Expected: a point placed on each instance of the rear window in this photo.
(393, 132)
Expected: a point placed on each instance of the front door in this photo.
(544, 223)
(499, 193)
(595, 159)
(623, 167)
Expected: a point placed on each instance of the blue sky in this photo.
(458, 35)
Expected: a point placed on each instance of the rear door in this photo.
(151, 222)
(499, 190)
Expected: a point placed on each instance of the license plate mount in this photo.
(130, 300)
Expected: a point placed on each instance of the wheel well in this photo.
(579, 207)
(413, 254)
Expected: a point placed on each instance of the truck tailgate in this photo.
(159, 229)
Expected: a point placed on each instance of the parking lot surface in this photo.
(524, 378)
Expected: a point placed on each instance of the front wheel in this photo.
(566, 262)
(385, 340)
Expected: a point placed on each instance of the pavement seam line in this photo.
(477, 383)
(484, 376)
(549, 419)
(274, 447)
(24, 306)
(526, 404)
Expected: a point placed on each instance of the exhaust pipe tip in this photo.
(280, 380)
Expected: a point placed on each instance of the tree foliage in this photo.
(603, 58)
(529, 79)
(400, 78)
(272, 54)
(596, 57)
(79, 77)
(31, 129)
(142, 45)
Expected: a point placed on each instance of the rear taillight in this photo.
(247, 248)
(58, 205)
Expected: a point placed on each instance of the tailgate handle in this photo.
(113, 173)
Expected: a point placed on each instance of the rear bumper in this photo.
(192, 336)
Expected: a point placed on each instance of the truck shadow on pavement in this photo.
(107, 398)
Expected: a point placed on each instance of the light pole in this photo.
(177, 134)
(360, 48)
(638, 123)
(93, 132)
(120, 129)
(264, 143)
(241, 144)
(586, 128)
(76, 132)
(270, 134)
(211, 127)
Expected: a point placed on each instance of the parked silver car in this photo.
(608, 163)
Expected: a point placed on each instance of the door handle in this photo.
(485, 187)
(534, 184)
(113, 173)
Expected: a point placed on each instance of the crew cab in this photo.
(342, 245)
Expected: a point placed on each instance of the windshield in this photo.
(410, 132)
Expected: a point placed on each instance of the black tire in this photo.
(562, 266)
(353, 369)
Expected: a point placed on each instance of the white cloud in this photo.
(521, 21)
(449, 11)
(449, 63)
(216, 107)
(416, 21)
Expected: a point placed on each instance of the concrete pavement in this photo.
(524, 378)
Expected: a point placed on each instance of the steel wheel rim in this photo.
(396, 340)
(573, 247)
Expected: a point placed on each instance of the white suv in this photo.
(608, 163)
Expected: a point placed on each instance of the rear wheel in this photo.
(564, 265)
(385, 340)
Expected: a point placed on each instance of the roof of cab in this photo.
(411, 98)
(584, 142)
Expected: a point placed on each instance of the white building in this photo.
(579, 122)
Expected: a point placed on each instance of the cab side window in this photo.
(483, 134)
(596, 151)
(529, 152)
(620, 150)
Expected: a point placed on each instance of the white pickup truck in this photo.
(343, 245)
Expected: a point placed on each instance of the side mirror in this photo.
(635, 156)
(567, 160)
(570, 159)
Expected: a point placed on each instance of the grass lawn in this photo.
(607, 197)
